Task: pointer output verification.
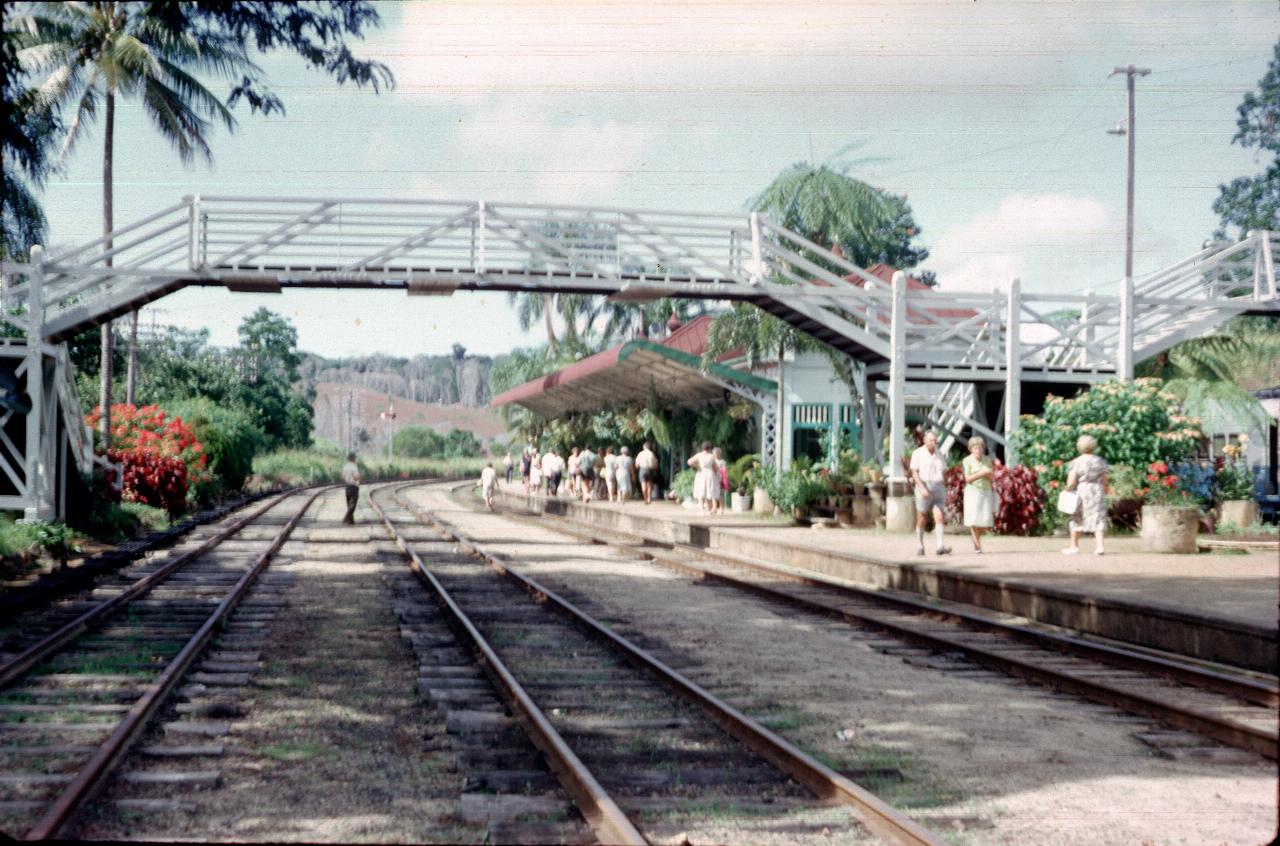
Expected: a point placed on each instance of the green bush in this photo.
(682, 484)
(16, 539)
(796, 487)
(230, 440)
(1135, 423)
(417, 442)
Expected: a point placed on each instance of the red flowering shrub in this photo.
(156, 480)
(161, 455)
(954, 481)
(1019, 498)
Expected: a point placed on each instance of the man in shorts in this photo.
(647, 470)
(587, 469)
(351, 485)
(488, 477)
(927, 471)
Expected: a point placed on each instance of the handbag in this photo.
(1068, 502)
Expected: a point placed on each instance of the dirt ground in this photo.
(331, 749)
(986, 760)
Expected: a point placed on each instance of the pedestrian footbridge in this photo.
(983, 346)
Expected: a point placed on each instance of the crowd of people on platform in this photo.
(609, 474)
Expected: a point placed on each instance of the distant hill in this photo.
(343, 408)
(457, 379)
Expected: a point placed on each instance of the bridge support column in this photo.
(40, 487)
(1013, 371)
(1124, 348)
(898, 385)
(868, 431)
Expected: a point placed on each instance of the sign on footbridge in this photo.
(984, 346)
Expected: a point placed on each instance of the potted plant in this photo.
(1234, 488)
(1127, 488)
(740, 501)
(1170, 516)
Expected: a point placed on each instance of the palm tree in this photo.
(95, 52)
(1216, 372)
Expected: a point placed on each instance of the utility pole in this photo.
(1124, 354)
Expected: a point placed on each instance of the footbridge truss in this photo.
(983, 346)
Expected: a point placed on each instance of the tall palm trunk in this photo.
(548, 306)
(104, 389)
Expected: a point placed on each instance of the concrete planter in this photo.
(760, 502)
(739, 503)
(1239, 513)
(1169, 528)
(900, 513)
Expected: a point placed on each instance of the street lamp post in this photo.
(1124, 353)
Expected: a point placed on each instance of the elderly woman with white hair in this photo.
(1088, 478)
(979, 495)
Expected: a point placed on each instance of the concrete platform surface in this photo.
(1126, 593)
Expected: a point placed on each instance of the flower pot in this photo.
(1169, 528)
(740, 503)
(1239, 513)
(760, 502)
(859, 490)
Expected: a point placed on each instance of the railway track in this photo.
(1193, 699)
(75, 696)
(639, 749)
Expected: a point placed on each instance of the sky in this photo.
(990, 117)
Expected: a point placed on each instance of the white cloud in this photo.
(540, 157)
(1054, 243)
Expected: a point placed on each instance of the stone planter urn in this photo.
(760, 502)
(1239, 513)
(740, 503)
(1169, 528)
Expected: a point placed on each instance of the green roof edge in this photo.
(693, 362)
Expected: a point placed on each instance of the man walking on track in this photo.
(351, 479)
(488, 476)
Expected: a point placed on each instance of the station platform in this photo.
(1216, 606)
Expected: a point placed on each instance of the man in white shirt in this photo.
(647, 470)
(488, 477)
(552, 470)
(351, 481)
(927, 471)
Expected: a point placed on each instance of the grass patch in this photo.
(295, 751)
(315, 466)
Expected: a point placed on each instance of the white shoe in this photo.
(1099, 552)
(1071, 550)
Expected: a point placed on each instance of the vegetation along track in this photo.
(642, 751)
(1212, 701)
(74, 700)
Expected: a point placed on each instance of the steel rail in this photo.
(94, 773)
(879, 817)
(602, 813)
(1225, 730)
(16, 667)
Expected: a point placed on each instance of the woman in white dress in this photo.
(706, 485)
(535, 474)
(979, 495)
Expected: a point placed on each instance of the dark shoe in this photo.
(946, 550)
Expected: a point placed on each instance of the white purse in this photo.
(1068, 502)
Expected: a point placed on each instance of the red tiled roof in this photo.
(884, 273)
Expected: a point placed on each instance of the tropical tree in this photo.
(1253, 202)
(91, 54)
(27, 136)
(835, 210)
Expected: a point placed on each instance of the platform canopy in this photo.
(672, 367)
